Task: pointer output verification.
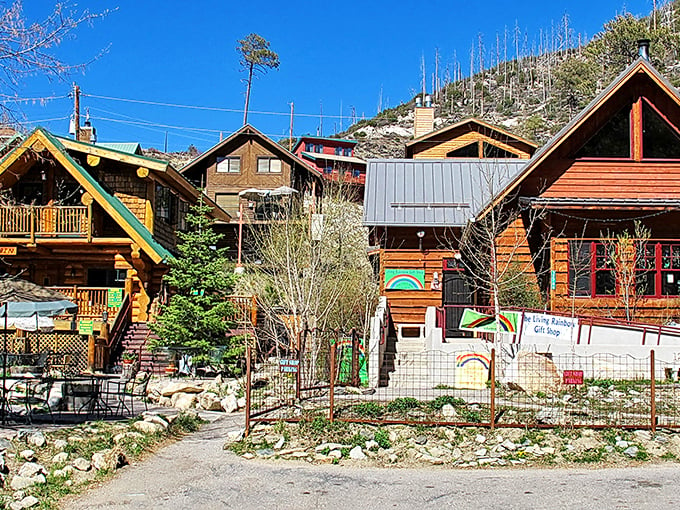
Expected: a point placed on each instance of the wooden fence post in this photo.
(652, 385)
(248, 386)
(331, 380)
(492, 402)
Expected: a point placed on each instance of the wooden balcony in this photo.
(45, 221)
(92, 301)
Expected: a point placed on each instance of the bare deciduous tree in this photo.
(28, 48)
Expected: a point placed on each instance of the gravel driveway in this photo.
(197, 473)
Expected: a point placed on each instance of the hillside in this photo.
(533, 95)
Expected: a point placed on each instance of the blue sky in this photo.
(334, 56)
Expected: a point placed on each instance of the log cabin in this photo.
(86, 219)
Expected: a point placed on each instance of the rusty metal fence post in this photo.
(652, 386)
(300, 364)
(248, 386)
(492, 401)
(331, 377)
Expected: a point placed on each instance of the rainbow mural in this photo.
(472, 357)
(476, 321)
(404, 279)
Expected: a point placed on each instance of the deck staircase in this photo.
(136, 341)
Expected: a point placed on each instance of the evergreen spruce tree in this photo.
(199, 315)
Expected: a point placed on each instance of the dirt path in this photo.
(197, 473)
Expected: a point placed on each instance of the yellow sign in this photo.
(8, 250)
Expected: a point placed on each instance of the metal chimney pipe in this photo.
(428, 101)
(419, 101)
(643, 48)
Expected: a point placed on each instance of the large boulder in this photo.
(229, 403)
(180, 387)
(209, 401)
(184, 401)
(533, 373)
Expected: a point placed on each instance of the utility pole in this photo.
(76, 110)
(166, 143)
(290, 131)
(320, 118)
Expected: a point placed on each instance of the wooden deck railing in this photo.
(246, 310)
(36, 221)
(92, 301)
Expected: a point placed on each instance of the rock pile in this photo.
(456, 447)
(215, 395)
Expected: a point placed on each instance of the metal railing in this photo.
(37, 221)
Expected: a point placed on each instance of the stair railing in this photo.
(120, 323)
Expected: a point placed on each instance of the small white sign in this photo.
(548, 326)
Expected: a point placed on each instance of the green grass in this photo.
(382, 437)
(403, 405)
(369, 410)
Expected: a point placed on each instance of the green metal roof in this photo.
(102, 146)
(129, 147)
(114, 201)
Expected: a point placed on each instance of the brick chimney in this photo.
(423, 121)
(87, 133)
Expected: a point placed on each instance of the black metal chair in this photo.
(126, 391)
(32, 395)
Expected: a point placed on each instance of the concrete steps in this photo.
(405, 365)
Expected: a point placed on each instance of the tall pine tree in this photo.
(199, 314)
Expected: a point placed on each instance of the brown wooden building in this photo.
(86, 219)
(577, 202)
(249, 159)
(274, 180)
(617, 163)
(469, 138)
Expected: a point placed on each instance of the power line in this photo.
(209, 108)
(14, 99)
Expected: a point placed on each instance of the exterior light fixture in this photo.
(420, 234)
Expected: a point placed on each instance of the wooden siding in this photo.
(439, 149)
(248, 177)
(625, 179)
(130, 189)
(423, 121)
(512, 245)
(658, 310)
(408, 307)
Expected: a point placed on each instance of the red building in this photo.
(334, 158)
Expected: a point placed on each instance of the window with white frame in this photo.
(267, 165)
(229, 165)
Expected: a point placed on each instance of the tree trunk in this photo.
(250, 82)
